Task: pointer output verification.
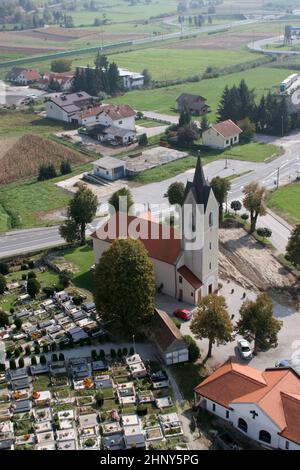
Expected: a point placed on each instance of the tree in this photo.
(129, 303)
(258, 324)
(212, 321)
(225, 105)
(4, 269)
(70, 231)
(194, 351)
(248, 129)
(221, 187)
(113, 78)
(4, 321)
(293, 247)
(204, 124)
(187, 135)
(82, 209)
(18, 323)
(33, 287)
(254, 203)
(61, 65)
(2, 284)
(65, 167)
(143, 140)
(176, 193)
(28, 350)
(114, 200)
(236, 206)
(147, 77)
(185, 117)
(47, 171)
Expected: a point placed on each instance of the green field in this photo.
(31, 200)
(286, 202)
(169, 64)
(162, 100)
(16, 123)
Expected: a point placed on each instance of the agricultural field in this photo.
(162, 100)
(286, 202)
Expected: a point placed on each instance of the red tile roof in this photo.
(166, 334)
(31, 75)
(227, 128)
(190, 277)
(120, 111)
(162, 242)
(275, 391)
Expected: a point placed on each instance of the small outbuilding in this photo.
(109, 168)
(168, 339)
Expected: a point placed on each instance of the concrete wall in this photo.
(210, 265)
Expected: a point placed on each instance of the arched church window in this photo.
(211, 219)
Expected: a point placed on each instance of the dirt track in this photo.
(228, 41)
(247, 262)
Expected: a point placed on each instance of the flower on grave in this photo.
(87, 382)
(36, 395)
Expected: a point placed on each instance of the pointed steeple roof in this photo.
(200, 187)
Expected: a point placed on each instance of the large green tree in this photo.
(176, 192)
(125, 284)
(258, 324)
(81, 211)
(254, 202)
(293, 247)
(221, 187)
(212, 321)
(114, 200)
(33, 287)
(4, 321)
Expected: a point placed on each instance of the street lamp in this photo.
(133, 342)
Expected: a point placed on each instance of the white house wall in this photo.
(210, 259)
(124, 123)
(212, 138)
(55, 112)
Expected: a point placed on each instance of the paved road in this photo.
(25, 241)
(260, 46)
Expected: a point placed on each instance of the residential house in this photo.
(66, 107)
(22, 76)
(62, 80)
(222, 135)
(263, 405)
(168, 339)
(130, 80)
(183, 269)
(195, 104)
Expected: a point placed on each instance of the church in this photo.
(181, 270)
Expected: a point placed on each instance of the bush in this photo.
(18, 323)
(94, 355)
(31, 264)
(125, 352)
(12, 364)
(33, 287)
(65, 167)
(17, 353)
(245, 216)
(48, 291)
(21, 363)
(61, 357)
(4, 321)
(47, 171)
(65, 278)
(4, 269)
(54, 358)
(119, 353)
(43, 360)
(45, 348)
(8, 354)
(131, 351)
(102, 354)
(31, 275)
(33, 361)
(37, 349)
(28, 350)
(113, 353)
(177, 322)
(194, 351)
(143, 140)
(24, 277)
(77, 300)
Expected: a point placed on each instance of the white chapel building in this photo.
(181, 272)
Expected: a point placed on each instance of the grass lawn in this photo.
(188, 376)
(178, 63)
(149, 123)
(16, 123)
(262, 79)
(30, 200)
(286, 202)
(254, 152)
(83, 258)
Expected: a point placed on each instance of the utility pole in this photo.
(278, 176)
(282, 129)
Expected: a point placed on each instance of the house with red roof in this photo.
(222, 135)
(263, 405)
(22, 76)
(185, 261)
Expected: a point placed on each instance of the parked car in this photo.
(183, 314)
(244, 348)
(283, 363)
(226, 442)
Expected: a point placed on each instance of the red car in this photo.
(183, 314)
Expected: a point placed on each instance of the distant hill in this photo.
(21, 158)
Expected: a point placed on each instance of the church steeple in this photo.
(199, 181)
